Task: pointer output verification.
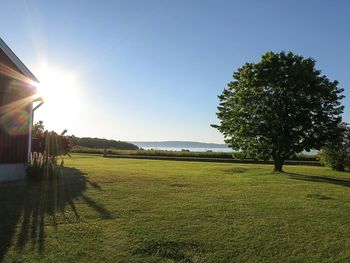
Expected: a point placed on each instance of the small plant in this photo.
(41, 164)
(47, 148)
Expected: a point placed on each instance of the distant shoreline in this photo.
(191, 149)
(178, 145)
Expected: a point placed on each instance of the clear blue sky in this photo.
(152, 70)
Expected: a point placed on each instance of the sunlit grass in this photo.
(126, 210)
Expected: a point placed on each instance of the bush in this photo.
(153, 152)
(47, 147)
(335, 157)
(336, 154)
(41, 164)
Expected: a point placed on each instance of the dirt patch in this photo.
(182, 185)
(168, 250)
(239, 170)
(318, 196)
(236, 170)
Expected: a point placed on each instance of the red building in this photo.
(17, 98)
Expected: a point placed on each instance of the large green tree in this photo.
(278, 107)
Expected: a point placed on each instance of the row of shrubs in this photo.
(298, 157)
(80, 149)
(227, 155)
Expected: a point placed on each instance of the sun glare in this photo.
(55, 84)
(59, 89)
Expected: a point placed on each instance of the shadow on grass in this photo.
(167, 250)
(27, 207)
(320, 179)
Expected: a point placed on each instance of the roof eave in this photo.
(19, 64)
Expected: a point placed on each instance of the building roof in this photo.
(19, 64)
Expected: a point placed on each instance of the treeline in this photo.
(98, 143)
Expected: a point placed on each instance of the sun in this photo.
(55, 85)
(60, 90)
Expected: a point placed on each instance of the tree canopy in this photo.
(279, 106)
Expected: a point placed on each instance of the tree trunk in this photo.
(278, 164)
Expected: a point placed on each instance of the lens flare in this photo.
(15, 122)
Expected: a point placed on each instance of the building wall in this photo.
(13, 148)
(14, 121)
(12, 172)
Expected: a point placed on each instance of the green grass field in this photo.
(127, 210)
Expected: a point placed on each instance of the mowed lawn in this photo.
(126, 210)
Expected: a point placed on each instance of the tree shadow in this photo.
(320, 179)
(28, 206)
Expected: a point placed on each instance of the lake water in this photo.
(191, 149)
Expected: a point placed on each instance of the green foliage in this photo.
(49, 143)
(98, 143)
(41, 165)
(305, 157)
(38, 128)
(336, 154)
(279, 107)
(46, 148)
(243, 155)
